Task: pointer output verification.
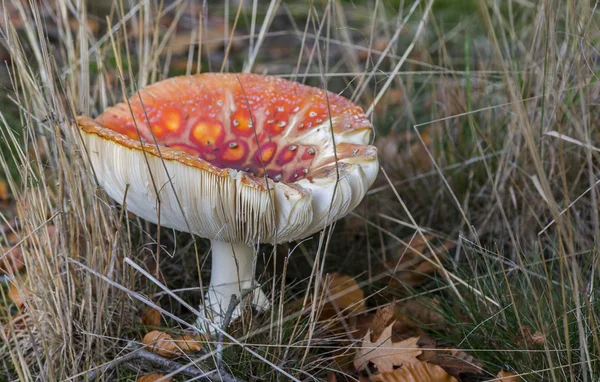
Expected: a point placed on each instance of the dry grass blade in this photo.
(11, 259)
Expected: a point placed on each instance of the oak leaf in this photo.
(381, 320)
(416, 372)
(385, 354)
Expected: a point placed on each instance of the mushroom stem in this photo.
(232, 272)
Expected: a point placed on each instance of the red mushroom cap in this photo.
(275, 136)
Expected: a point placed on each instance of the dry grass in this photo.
(486, 117)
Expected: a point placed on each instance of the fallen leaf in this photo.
(4, 194)
(454, 361)
(507, 376)
(189, 343)
(384, 353)
(92, 25)
(416, 372)
(151, 317)
(419, 312)
(167, 346)
(46, 238)
(538, 338)
(415, 264)
(15, 295)
(11, 261)
(154, 377)
(331, 377)
(342, 294)
(526, 338)
(161, 343)
(379, 44)
(382, 319)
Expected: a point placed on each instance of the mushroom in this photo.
(239, 159)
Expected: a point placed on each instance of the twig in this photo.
(166, 365)
(233, 303)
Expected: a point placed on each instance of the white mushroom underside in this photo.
(223, 207)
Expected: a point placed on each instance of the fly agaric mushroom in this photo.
(238, 159)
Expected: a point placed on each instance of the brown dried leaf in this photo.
(93, 26)
(385, 354)
(15, 295)
(167, 346)
(154, 377)
(11, 261)
(342, 294)
(406, 151)
(421, 311)
(161, 343)
(46, 238)
(526, 338)
(151, 317)
(4, 194)
(213, 39)
(331, 377)
(538, 338)
(454, 361)
(381, 320)
(392, 97)
(411, 267)
(507, 376)
(188, 343)
(416, 372)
